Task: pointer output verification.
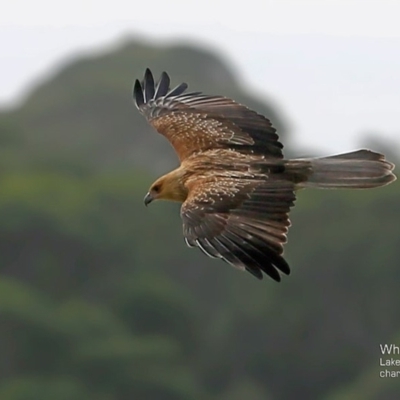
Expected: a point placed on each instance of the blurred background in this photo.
(99, 297)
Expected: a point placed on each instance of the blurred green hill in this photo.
(101, 300)
(84, 114)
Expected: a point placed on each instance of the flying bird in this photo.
(234, 184)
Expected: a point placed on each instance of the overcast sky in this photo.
(332, 67)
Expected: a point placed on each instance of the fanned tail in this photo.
(362, 169)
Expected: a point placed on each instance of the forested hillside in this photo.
(100, 299)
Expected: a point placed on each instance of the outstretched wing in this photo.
(243, 222)
(193, 122)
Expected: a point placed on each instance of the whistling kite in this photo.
(235, 185)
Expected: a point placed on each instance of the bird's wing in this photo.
(243, 222)
(193, 122)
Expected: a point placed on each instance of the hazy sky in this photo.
(332, 67)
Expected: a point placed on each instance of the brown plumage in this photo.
(235, 185)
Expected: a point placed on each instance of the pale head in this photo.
(168, 187)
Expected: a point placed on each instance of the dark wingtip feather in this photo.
(270, 263)
(280, 263)
(178, 90)
(162, 85)
(138, 94)
(146, 90)
(148, 85)
(255, 272)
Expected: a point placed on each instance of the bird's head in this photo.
(168, 187)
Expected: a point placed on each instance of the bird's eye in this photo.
(156, 188)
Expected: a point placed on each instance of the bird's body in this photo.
(235, 185)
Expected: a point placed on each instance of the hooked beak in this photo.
(148, 199)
